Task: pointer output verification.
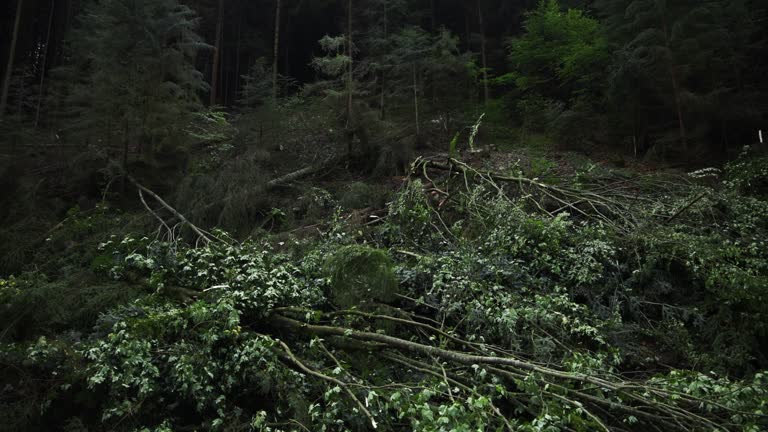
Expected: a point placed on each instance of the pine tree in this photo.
(681, 58)
(130, 77)
(409, 59)
(12, 52)
(382, 19)
(418, 60)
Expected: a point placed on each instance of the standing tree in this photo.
(685, 59)
(561, 53)
(382, 19)
(217, 54)
(276, 51)
(483, 51)
(11, 55)
(350, 64)
(131, 78)
(44, 61)
(409, 59)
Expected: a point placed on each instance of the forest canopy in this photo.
(396, 215)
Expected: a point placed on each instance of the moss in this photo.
(361, 274)
(360, 195)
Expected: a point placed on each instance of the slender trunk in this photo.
(125, 160)
(416, 100)
(225, 72)
(45, 60)
(349, 72)
(382, 99)
(276, 50)
(467, 30)
(382, 103)
(238, 55)
(675, 85)
(635, 125)
(286, 31)
(433, 15)
(9, 68)
(216, 50)
(483, 52)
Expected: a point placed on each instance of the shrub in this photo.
(361, 274)
(360, 195)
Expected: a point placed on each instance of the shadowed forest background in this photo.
(430, 215)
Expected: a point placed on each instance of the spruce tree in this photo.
(130, 82)
(679, 62)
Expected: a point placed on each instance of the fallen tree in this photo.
(503, 315)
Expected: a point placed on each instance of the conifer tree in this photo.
(12, 52)
(680, 57)
(130, 79)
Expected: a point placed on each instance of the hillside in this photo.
(391, 215)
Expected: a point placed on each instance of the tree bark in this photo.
(483, 52)
(237, 53)
(675, 84)
(45, 60)
(382, 103)
(216, 50)
(350, 67)
(276, 50)
(416, 99)
(9, 68)
(433, 16)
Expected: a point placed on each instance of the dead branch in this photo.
(206, 236)
(636, 399)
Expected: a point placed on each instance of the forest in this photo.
(393, 215)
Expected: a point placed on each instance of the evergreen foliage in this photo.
(383, 230)
(360, 274)
(131, 82)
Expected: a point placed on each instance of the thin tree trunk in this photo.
(125, 160)
(9, 69)
(238, 55)
(286, 30)
(416, 100)
(276, 50)
(675, 85)
(433, 16)
(382, 103)
(467, 30)
(216, 49)
(45, 60)
(483, 52)
(225, 73)
(349, 72)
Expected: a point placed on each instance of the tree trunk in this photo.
(9, 68)
(125, 160)
(483, 52)
(225, 72)
(45, 60)
(416, 100)
(276, 50)
(382, 103)
(467, 30)
(238, 54)
(216, 50)
(349, 72)
(675, 84)
(433, 16)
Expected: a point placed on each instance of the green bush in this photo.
(361, 274)
(360, 195)
(748, 175)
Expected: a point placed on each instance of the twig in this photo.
(339, 383)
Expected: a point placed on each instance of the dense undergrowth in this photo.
(472, 305)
